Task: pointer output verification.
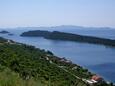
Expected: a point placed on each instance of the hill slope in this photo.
(38, 66)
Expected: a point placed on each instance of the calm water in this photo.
(97, 58)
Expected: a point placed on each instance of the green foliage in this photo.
(2, 40)
(49, 52)
(10, 78)
(23, 65)
(30, 62)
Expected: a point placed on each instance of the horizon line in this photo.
(53, 26)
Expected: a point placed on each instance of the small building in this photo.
(74, 68)
(47, 58)
(50, 62)
(96, 79)
(89, 82)
(65, 60)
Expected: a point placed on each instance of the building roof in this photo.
(96, 78)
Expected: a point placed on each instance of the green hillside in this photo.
(24, 65)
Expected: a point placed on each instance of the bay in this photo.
(97, 58)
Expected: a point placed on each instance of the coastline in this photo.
(42, 48)
(62, 60)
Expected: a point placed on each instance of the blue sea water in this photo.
(97, 58)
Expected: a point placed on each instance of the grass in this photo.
(10, 78)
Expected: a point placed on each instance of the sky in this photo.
(21, 13)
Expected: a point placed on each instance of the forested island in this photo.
(24, 65)
(4, 32)
(56, 35)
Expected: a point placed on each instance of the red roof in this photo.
(96, 78)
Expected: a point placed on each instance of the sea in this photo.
(98, 59)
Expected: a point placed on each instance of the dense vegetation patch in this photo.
(23, 65)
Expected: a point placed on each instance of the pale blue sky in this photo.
(18, 13)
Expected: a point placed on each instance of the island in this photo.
(4, 32)
(25, 65)
(56, 35)
(10, 34)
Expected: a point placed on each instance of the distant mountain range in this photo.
(61, 27)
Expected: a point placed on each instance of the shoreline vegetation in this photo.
(29, 66)
(56, 35)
